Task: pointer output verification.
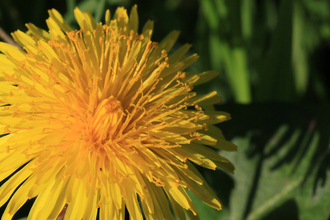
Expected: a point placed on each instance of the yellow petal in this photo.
(131, 201)
(209, 98)
(216, 117)
(204, 77)
(178, 54)
(90, 21)
(134, 19)
(107, 18)
(91, 201)
(38, 33)
(74, 208)
(162, 209)
(58, 191)
(13, 53)
(25, 40)
(181, 197)
(54, 29)
(148, 29)
(10, 185)
(17, 201)
(204, 194)
(43, 204)
(177, 208)
(170, 137)
(217, 139)
(57, 17)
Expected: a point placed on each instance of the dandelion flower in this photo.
(102, 119)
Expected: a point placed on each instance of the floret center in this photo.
(107, 119)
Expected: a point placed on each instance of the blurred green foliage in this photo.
(273, 59)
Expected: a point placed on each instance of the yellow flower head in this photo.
(102, 118)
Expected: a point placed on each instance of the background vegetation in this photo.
(273, 56)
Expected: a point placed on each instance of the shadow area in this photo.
(288, 134)
(287, 210)
(219, 179)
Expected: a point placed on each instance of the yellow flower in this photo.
(102, 118)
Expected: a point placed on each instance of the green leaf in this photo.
(275, 71)
(246, 18)
(299, 52)
(71, 4)
(236, 66)
(210, 14)
(100, 11)
(282, 164)
(271, 15)
(88, 5)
